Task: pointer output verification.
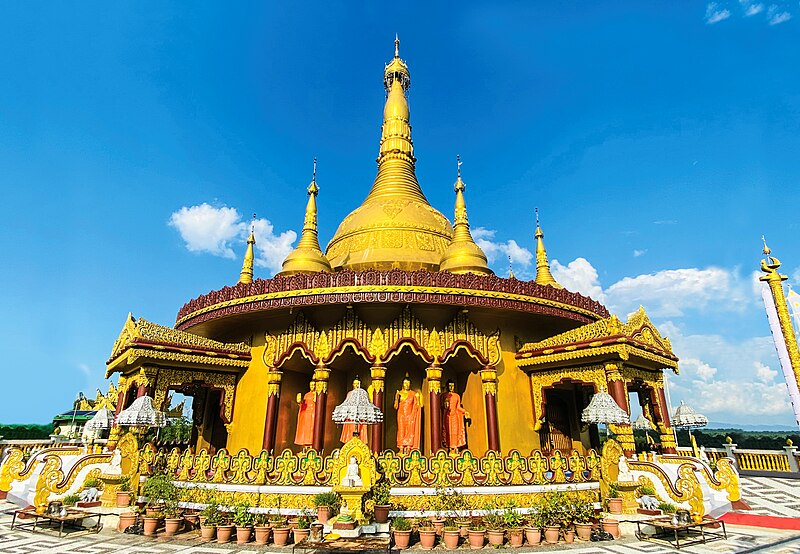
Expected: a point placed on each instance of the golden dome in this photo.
(307, 257)
(395, 226)
(463, 255)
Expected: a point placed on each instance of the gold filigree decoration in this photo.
(226, 382)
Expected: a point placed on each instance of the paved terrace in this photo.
(767, 496)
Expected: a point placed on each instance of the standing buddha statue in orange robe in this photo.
(304, 435)
(349, 427)
(454, 432)
(408, 404)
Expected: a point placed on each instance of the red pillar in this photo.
(321, 376)
(434, 391)
(489, 385)
(668, 439)
(378, 373)
(619, 392)
(273, 402)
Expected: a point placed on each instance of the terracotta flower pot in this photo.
(515, 538)
(569, 536)
(323, 514)
(172, 525)
(207, 532)
(551, 534)
(584, 531)
(300, 534)
(427, 538)
(123, 499)
(224, 533)
(611, 526)
(262, 534)
(496, 537)
(463, 527)
(451, 538)
(533, 535)
(382, 513)
(243, 534)
(401, 539)
(191, 521)
(476, 539)
(438, 525)
(615, 505)
(152, 512)
(126, 520)
(151, 525)
(280, 535)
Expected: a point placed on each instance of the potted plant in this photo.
(477, 535)
(494, 527)
(512, 522)
(124, 492)
(582, 512)
(280, 529)
(225, 528)
(401, 531)
(243, 520)
(303, 528)
(533, 529)
(173, 517)
(126, 519)
(210, 517)
(262, 528)
(552, 507)
(381, 495)
(427, 535)
(667, 507)
(70, 500)
(440, 505)
(614, 499)
(451, 534)
(326, 503)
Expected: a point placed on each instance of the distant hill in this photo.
(742, 427)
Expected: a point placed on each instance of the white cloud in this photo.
(714, 14)
(751, 8)
(764, 373)
(579, 276)
(721, 398)
(501, 251)
(777, 17)
(207, 229)
(693, 366)
(672, 292)
(639, 253)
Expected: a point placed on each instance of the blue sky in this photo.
(659, 141)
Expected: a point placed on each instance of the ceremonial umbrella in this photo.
(603, 408)
(357, 408)
(687, 418)
(142, 414)
(103, 419)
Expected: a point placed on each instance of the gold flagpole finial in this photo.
(766, 249)
(396, 46)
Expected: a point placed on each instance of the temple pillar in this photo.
(666, 436)
(378, 373)
(618, 391)
(321, 376)
(434, 375)
(489, 386)
(271, 417)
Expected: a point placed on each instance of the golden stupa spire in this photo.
(246, 275)
(543, 275)
(307, 257)
(395, 226)
(463, 255)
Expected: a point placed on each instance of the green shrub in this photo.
(667, 507)
(381, 493)
(125, 484)
(93, 484)
(159, 489)
(328, 498)
(242, 516)
(400, 523)
(647, 490)
(71, 500)
(211, 514)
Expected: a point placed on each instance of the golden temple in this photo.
(399, 294)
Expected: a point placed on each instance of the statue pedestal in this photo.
(352, 498)
(627, 491)
(111, 485)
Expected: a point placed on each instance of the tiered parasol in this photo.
(103, 419)
(142, 414)
(687, 418)
(603, 408)
(357, 408)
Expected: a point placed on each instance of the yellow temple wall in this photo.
(515, 407)
(250, 406)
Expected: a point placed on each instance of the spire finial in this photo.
(246, 275)
(543, 275)
(313, 188)
(458, 164)
(537, 215)
(459, 186)
(510, 269)
(396, 46)
(766, 249)
(253, 224)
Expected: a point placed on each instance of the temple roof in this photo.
(395, 227)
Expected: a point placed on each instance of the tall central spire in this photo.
(395, 227)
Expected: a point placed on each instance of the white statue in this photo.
(352, 477)
(89, 495)
(115, 466)
(625, 474)
(703, 455)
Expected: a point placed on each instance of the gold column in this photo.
(619, 392)
(378, 373)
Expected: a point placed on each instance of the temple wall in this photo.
(515, 407)
(250, 406)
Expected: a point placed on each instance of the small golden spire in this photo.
(246, 275)
(511, 269)
(463, 255)
(543, 275)
(766, 251)
(307, 257)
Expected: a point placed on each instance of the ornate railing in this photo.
(31, 447)
(414, 470)
(762, 460)
(753, 461)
